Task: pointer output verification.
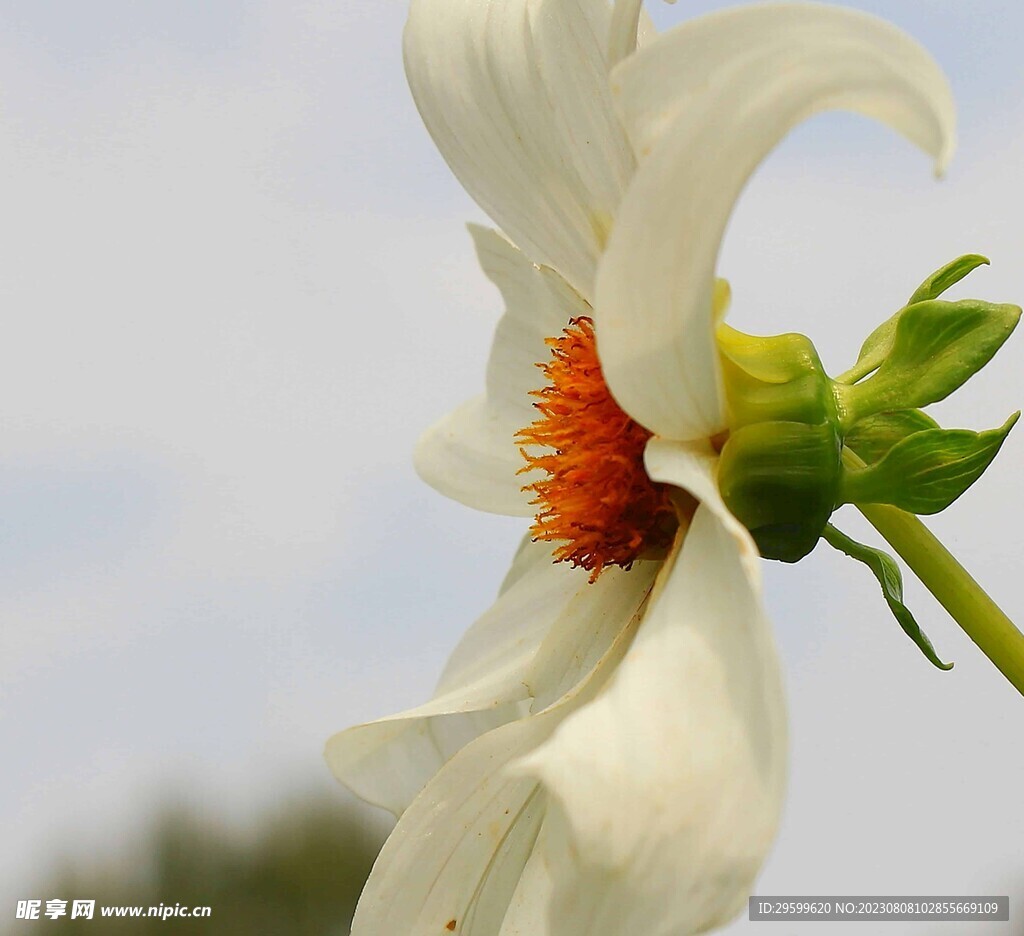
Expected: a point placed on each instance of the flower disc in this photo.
(597, 499)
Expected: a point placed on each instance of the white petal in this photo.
(711, 55)
(518, 622)
(471, 455)
(388, 762)
(527, 913)
(546, 631)
(693, 466)
(703, 104)
(460, 849)
(630, 27)
(592, 620)
(515, 95)
(528, 556)
(670, 784)
(538, 305)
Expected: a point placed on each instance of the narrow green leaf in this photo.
(879, 343)
(887, 572)
(937, 347)
(949, 275)
(874, 436)
(925, 472)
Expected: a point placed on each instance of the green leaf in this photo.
(879, 343)
(889, 577)
(949, 275)
(874, 436)
(925, 472)
(936, 348)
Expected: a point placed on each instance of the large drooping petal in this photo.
(388, 762)
(703, 104)
(459, 851)
(515, 95)
(668, 787)
(471, 455)
(547, 629)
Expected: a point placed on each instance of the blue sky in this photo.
(237, 286)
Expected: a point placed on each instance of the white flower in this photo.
(607, 759)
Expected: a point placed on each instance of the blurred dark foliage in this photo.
(298, 873)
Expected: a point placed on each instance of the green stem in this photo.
(979, 616)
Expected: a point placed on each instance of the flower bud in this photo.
(781, 466)
(781, 480)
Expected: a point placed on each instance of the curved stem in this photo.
(979, 616)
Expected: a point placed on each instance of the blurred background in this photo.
(235, 286)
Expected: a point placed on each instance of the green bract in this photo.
(877, 345)
(926, 471)
(936, 347)
(780, 472)
(781, 479)
(873, 436)
(801, 444)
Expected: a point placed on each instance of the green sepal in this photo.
(936, 348)
(773, 378)
(878, 344)
(781, 480)
(925, 472)
(887, 572)
(949, 275)
(874, 436)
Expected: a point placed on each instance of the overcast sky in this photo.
(236, 285)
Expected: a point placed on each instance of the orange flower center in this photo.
(597, 499)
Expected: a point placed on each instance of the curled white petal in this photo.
(622, 34)
(629, 28)
(669, 786)
(527, 913)
(693, 467)
(471, 455)
(546, 631)
(515, 95)
(590, 623)
(388, 762)
(703, 105)
(460, 849)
